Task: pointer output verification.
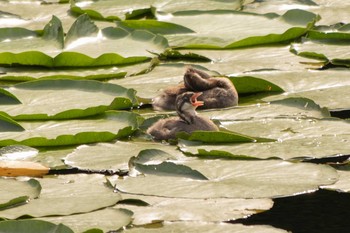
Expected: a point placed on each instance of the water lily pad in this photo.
(203, 227)
(110, 46)
(110, 10)
(166, 75)
(17, 192)
(107, 127)
(105, 220)
(22, 74)
(32, 226)
(66, 195)
(153, 26)
(305, 80)
(206, 210)
(312, 147)
(288, 107)
(342, 185)
(112, 156)
(72, 99)
(309, 137)
(247, 31)
(330, 52)
(152, 161)
(234, 179)
(241, 61)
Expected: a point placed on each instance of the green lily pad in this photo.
(288, 107)
(305, 80)
(112, 156)
(84, 46)
(310, 147)
(111, 125)
(204, 226)
(247, 31)
(193, 5)
(152, 161)
(72, 99)
(166, 75)
(234, 179)
(17, 192)
(22, 74)
(67, 195)
(215, 137)
(309, 137)
(326, 47)
(104, 220)
(110, 10)
(153, 26)
(242, 61)
(342, 185)
(205, 210)
(32, 226)
(8, 124)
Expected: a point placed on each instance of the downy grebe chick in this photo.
(186, 121)
(217, 92)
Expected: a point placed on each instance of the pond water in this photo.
(321, 211)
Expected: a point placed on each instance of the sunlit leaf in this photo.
(203, 226)
(72, 99)
(234, 179)
(112, 156)
(181, 209)
(101, 220)
(107, 127)
(32, 226)
(153, 161)
(17, 192)
(211, 35)
(66, 195)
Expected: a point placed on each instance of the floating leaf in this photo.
(234, 179)
(152, 161)
(66, 195)
(72, 99)
(309, 137)
(100, 220)
(153, 26)
(83, 48)
(112, 156)
(111, 125)
(17, 192)
(32, 226)
(203, 227)
(215, 137)
(181, 209)
(210, 36)
(286, 107)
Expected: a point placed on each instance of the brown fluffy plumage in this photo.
(187, 121)
(217, 92)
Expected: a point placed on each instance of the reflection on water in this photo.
(322, 211)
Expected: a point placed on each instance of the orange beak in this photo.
(194, 100)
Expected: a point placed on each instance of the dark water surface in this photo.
(321, 211)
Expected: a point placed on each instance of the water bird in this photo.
(187, 120)
(217, 92)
